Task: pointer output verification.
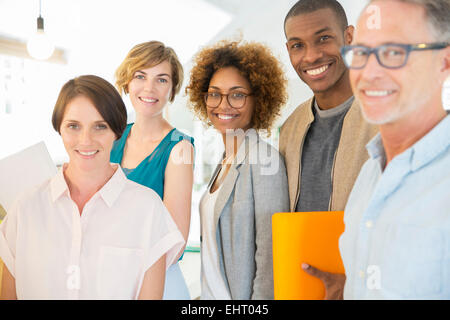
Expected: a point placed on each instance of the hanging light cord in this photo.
(40, 20)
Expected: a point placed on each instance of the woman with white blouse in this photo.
(89, 232)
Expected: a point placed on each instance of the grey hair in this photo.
(438, 16)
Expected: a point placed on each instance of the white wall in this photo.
(96, 35)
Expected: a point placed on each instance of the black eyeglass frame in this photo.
(407, 47)
(205, 94)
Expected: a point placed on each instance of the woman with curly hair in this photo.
(239, 89)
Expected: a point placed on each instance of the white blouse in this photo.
(212, 283)
(53, 252)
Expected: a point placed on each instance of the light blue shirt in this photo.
(396, 243)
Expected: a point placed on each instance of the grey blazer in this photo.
(254, 189)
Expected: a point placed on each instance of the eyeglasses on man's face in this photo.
(391, 56)
(236, 99)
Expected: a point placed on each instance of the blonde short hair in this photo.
(147, 55)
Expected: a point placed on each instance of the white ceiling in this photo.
(97, 31)
(94, 29)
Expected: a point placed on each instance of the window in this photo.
(27, 98)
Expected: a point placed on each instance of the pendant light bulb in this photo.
(39, 45)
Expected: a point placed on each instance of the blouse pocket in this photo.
(414, 261)
(119, 272)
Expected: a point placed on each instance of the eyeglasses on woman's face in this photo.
(236, 99)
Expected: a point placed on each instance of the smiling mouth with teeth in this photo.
(377, 93)
(148, 100)
(226, 116)
(317, 71)
(87, 153)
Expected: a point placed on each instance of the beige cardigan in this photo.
(349, 158)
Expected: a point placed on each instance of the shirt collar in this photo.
(375, 148)
(58, 185)
(342, 108)
(431, 145)
(109, 192)
(422, 152)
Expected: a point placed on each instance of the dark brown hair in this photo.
(103, 96)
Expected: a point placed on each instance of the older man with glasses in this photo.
(396, 243)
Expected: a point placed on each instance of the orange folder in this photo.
(311, 237)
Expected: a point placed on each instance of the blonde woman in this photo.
(151, 151)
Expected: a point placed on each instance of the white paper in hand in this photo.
(24, 170)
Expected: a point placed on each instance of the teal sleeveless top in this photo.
(150, 172)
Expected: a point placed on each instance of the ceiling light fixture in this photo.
(39, 45)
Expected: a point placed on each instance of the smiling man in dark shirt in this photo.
(323, 140)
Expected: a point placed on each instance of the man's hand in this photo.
(334, 282)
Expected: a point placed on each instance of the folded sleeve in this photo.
(164, 237)
(8, 239)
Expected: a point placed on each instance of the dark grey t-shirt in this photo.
(319, 148)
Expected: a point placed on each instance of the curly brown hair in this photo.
(256, 63)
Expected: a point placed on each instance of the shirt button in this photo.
(369, 224)
(361, 274)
